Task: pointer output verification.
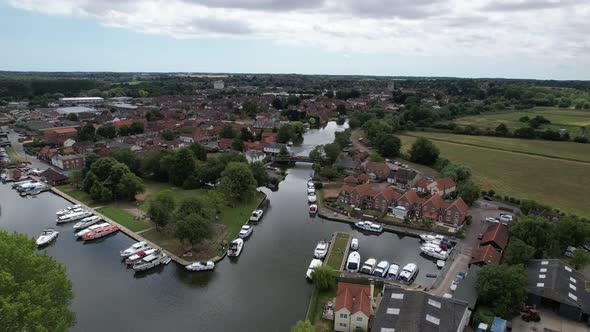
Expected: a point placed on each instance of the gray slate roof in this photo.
(409, 310)
(553, 279)
(466, 290)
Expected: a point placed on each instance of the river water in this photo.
(263, 290)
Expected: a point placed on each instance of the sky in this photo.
(540, 39)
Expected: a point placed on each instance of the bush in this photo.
(506, 198)
(580, 139)
(318, 185)
(491, 193)
(483, 315)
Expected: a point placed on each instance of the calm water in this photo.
(263, 290)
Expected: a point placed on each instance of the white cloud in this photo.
(549, 29)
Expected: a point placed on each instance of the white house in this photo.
(353, 307)
(69, 143)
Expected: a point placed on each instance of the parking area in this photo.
(550, 321)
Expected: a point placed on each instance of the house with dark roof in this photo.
(376, 171)
(53, 177)
(352, 308)
(552, 283)
(496, 235)
(466, 289)
(485, 255)
(405, 178)
(347, 162)
(414, 310)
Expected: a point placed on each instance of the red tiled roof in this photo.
(391, 194)
(412, 197)
(444, 183)
(497, 233)
(365, 190)
(435, 201)
(460, 204)
(63, 130)
(353, 297)
(347, 188)
(486, 254)
(377, 167)
(350, 180)
(422, 183)
(120, 123)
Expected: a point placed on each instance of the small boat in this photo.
(354, 244)
(100, 232)
(393, 272)
(369, 226)
(440, 263)
(235, 247)
(256, 215)
(150, 261)
(201, 266)
(88, 221)
(310, 190)
(315, 263)
(381, 269)
(67, 210)
(313, 209)
(435, 252)
(90, 229)
(312, 198)
(73, 216)
(408, 273)
(310, 184)
(369, 266)
(139, 255)
(46, 237)
(353, 263)
(290, 143)
(245, 231)
(321, 250)
(136, 247)
(430, 237)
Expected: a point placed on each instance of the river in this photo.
(263, 290)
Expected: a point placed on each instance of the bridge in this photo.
(291, 159)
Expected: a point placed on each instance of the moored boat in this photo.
(245, 231)
(321, 250)
(435, 252)
(369, 226)
(369, 266)
(312, 198)
(134, 248)
(440, 264)
(430, 237)
(139, 255)
(354, 244)
(353, 263)
(100, 232)
(235, 247)
(151, 261)
(90, 229)
(315, 263)
(201, 266)
(393, 272)
(88, 221)
(47, 236)
(408, 273)
(381, 269)
(256, 215)
(73, 216)
(313, 209)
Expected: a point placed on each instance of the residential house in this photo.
(268, 137)
(376, 171)
(344, 195)
(273, 148)
(69, 143)
(415, 310)
(352, 308)
(442, 187)
(386, 198)
(347, 162)
(405, 178)
(60, 135)
(354, 180)
(422, 185)
(363, 196)
(46, 153)
(53, 177)
(456, 213)
(68, 162)
(485, 255)
(433, 208)
(497, 236)
(412, 203)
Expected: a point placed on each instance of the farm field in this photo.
(568, 119)
(559, 183)
(564, 150)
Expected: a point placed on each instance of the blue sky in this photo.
(66, 38)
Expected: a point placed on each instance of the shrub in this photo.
(491, 193)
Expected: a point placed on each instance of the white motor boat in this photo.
(151, 261)
(136, 247)
(100, 232)
(201, 266)
(353, 263)
(310, 190)
(369, 226)
(440, 264)
(73, 216)
(46, 237)
(139, 255)
(312, 198)
(310, 184)
(408, 273)
(435, 252)
(430, 237)
(88, 221)
(235, 247)
(67, 210)
(321, 250)
(381, 269)
(313, 209)
(245, 231)
(354, 244)
(369, 266)
(91, 228)
(315, 263)
(256, 215)
(393, 272)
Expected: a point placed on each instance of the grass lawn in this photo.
(77, 194)
(14, 157)
(569, 119)
(318, 301)
(562, 150)
(124, 218)
(558, 183)
(337, 250)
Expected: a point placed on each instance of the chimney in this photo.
(371, 290)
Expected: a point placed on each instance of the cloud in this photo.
(399, 27)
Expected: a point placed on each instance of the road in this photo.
(19, 149)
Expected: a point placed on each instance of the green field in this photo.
(562, 150)
(337, 251)
(556, 182)
(568, 119)
(77, 194)
(124, 218)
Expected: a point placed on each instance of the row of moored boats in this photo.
(29, 187)
(436, 246)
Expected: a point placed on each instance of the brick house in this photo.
(386, 198)
(442, 187)
(352, 307)
(405, 178)
(497, 236)
(455, 213)
(363, 196)
(485, 255)
(376, 171)
(433, 208)
(344, 195)
(60, 135)
(68, 162)
(412, 203)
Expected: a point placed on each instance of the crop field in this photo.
(569, 119)
(556, 182)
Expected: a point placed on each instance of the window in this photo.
(573, 280)
(393, 311)
(540, 284)
(568, 269)
(387, 329)
(359, 319)
(433, 320)
(434, 303)
(544, 262)
(343, 324)
(397, 296)
(573, 287)
(343, 316)
(543, 270)
(541, 276)
(572, 296)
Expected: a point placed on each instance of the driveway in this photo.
(354, 137)
(549, 321)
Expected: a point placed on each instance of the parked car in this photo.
(492, 220)
(586, 246)
(488, 198)
(569, 252)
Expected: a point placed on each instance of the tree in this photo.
(194, 205)
(127, 157)
(518, 252)
(388, 145)
(237, 144)
(227, 132)
(193, 228)
(469, 191)
(284, 152)
(100, 193)
(199, 151)
(277, 103)
(501, 130)
(317, 154)
(167, 135)
(124, 131)
(246, 135)
(136, 128)
(332, 152)
(237, 182)
(303, 326)
(72, 117)
(424, 152)
(298, 127)
(161, 208)
(324, 278)
(35, 293)
(89, 181)
(183, 165)
(129, 186)
(260, 174)
(86, 133)
(580, 259)
(107, 131)
(286, 133)
(459, 173)
(502, 288)
(537, 232)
